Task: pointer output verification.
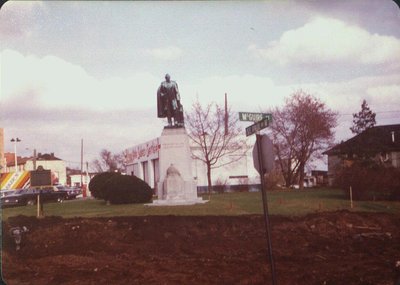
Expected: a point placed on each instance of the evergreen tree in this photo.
(363, 120)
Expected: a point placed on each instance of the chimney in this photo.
(52, 155)
(393, 136)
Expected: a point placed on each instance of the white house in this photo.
(51, 162)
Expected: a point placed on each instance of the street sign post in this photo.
(262, 171)
(257, 127)
(254, 117)
(263, 161)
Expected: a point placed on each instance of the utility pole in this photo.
(87, 179)
(15, 141)
(226, 114)
(82, 163)
(34, 159)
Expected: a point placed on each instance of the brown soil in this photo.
(324, 248)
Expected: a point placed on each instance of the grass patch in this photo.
(286, 203)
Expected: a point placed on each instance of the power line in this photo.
(379, 112)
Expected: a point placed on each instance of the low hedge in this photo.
(124, 189)
(370, 182)
(97, 183)
(120, 189)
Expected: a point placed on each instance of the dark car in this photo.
(71, 192)
(47, 194)
(6, 192)
(14, 199)
(29, 197)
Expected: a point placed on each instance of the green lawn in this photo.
(290, 203)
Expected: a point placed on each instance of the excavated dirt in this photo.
(325, 248)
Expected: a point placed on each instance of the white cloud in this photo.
(389, 94)
(245, 92)
(51, 82)
(345, 97)
(326, 40)
(256, 93)
(61, 97)
(17, 17)
(381, 92)
(165, 53)
(56, 82)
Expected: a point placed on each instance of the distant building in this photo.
(233, 171)
(143, 161)
(310, 181)
(78, 179)
(49, 161)
(2, 157)
(10, 162)
(380, 143)
(321, 177)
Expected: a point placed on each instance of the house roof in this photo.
(10, 159)
(9, 156)
(73, 171)
(47, 156)
(373, 140)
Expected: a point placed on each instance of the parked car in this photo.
(6, 192)
(29, 197)
(47, 194)
(14, 199)
(71, 192)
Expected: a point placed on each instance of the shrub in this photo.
(220, 185)
(98, 182)
(124, 189)
(370, 182)
(273, 180)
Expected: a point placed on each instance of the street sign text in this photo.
(257, 127)
(254, 117)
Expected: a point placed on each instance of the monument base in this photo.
(176, 185)
(177, 202)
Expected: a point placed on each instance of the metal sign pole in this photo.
(265, 208)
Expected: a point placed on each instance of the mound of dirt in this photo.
(324, 248)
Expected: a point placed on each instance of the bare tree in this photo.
(108, 162)
(301, 129)
(216, 135)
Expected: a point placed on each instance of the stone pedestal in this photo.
(178, 187)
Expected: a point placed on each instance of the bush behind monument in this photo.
(120, 189)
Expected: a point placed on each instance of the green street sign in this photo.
(254, 117)
(257, 127)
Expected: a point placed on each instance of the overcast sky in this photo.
(90, 70)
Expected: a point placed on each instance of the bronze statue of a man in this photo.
(169, 102)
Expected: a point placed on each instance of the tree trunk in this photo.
(288, 176)
(301, 176)
(209, 181)
(288, 179)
